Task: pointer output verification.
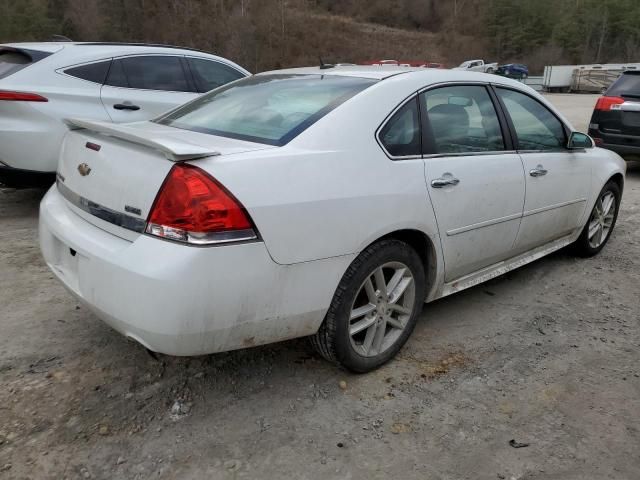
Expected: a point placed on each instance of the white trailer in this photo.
(560, 78)
(557, 77)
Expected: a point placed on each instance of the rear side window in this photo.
(401, 134)
(628, 85)
(94, 72)
(535, 126)
(462, 119)
(149, 73)
(269, 109)
(12, 61)
(209, 74)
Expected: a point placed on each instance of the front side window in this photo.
(270, 109)
(462, 119)
(209, 74)
(535, 126)
(401, 134)
(163, 73)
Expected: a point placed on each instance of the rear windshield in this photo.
(12, 61)
(270, 109)
(628, 85)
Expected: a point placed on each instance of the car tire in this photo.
(366, 326)
(602, 220)
(489, 70)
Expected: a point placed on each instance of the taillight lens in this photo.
(604, 104)
(193, 207)
(21, 97)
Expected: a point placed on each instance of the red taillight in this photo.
(21, 97)
(604, 104)
(193, 207)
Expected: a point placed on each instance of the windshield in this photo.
(271, 109)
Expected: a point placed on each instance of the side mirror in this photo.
(578, 141)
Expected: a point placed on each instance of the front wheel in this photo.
(375, 307)
(490, 70)
(603, 218)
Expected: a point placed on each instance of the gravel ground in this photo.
(547, 355)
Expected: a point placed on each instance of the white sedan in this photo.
(322, 202)
(42, 83)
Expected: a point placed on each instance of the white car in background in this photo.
(330, 202)
(477, 66)
(42, 83)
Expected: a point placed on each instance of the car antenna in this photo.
(325, 66)
(60, 38)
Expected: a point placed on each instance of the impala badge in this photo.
(84, 169)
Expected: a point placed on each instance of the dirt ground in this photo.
(548, 355)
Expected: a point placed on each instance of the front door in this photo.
(475, 181)
(143, 87)
(557, 179)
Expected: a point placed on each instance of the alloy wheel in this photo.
(601, 219)
(381, 309)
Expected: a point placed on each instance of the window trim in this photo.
(187, 74)
(565, 128)
(192, 77)
(387, 119)
(429, 141)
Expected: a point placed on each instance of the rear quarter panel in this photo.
(332, 191)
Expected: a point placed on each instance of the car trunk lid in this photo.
(111, 174)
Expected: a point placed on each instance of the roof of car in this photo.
(56, 46)
(75, 53)
(377, 72)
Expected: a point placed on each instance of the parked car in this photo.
(513, 70)
(478, 66)
(615, 122)
(42, 83)
(329, 202)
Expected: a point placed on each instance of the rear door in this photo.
(142, 87)
(474, 178)
(558, 180)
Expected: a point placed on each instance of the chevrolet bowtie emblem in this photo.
(84, 169)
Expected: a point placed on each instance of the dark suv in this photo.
(615, 123)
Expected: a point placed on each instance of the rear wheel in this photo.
(603, 218)
(375, 307)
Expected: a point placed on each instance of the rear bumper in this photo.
(182, 300)
(18, 178)
(621, 149)
(621, 144)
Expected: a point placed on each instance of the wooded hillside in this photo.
(265, 34)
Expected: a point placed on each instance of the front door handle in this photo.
(539, 171)
(446, 180)
(126, 106)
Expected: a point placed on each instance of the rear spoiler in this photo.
(32, 55)
(174, 150)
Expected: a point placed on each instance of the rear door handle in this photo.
(539, 171)
(126, 106)
(446, 180)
